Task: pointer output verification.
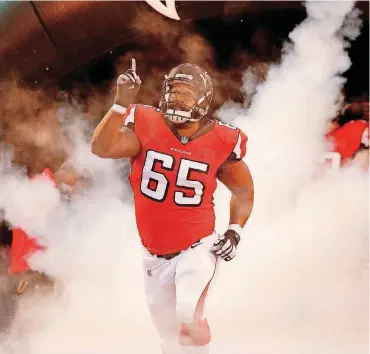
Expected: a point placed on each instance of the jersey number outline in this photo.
(167, 162)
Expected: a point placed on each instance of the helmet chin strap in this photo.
(178, 116)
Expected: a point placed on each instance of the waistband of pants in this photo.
(166, 256)
(169, 256)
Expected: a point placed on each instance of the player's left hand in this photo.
(226, 245)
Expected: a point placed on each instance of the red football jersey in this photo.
(23, 246)
(173, 181)
(346, 140)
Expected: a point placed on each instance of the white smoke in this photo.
(298, 284)
(93, 251)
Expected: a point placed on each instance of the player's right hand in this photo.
(128, 85)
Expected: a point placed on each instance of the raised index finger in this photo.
(133, 64)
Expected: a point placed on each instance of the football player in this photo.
(177, 155)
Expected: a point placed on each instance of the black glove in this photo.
(226, 245)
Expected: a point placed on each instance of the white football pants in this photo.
(176, 289)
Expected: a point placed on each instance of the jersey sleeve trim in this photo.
(129, 116)
(238, 152)
(240, 147)
(237, 148)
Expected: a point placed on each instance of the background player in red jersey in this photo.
(66, 179)
(177, 155)
(350, 141)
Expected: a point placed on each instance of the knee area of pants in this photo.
(170, 346)
(185, 312)
(195, 334)
(151, 300)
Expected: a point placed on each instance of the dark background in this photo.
(70, 44)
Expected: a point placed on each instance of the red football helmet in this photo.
(186, 93)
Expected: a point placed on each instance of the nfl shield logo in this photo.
(184, 139)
